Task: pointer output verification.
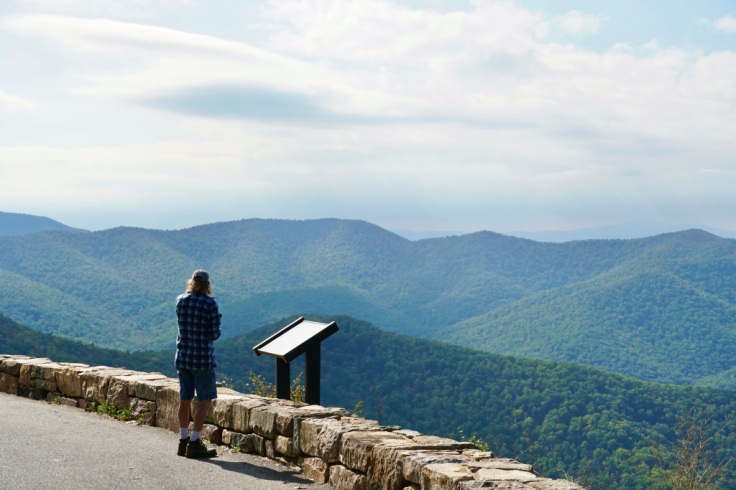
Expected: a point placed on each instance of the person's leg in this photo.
(200, 413)
(206, 388)
(186, 393)
(205, 383)
(185, 407)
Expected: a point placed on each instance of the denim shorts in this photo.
(203, 381)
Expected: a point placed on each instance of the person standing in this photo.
(199, 326)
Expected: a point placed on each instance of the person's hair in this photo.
(195, 286)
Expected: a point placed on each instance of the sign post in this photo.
(299, 337)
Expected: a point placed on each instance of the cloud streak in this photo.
(726, 24)
(14, 103)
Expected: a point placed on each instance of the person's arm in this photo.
(215, 330)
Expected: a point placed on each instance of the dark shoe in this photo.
(197, 449)
(182, 447)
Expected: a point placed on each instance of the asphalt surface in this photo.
(46, 446)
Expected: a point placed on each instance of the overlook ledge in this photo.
(328, 444)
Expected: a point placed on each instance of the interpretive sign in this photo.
(299, 337)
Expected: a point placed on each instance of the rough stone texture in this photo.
(69, 381)
(262, 421)
(240, 440)
(30, 370)
(45, 371)
(44, 384)
(142, 411)
(9, 383)
(395, 466)
(386, 470)
(269, 449)
(442, 476)
(356, 447)
(207, 431)
(315, 469)
(216, 435)
(321, 437)
(412, 462)
(97, 380)
(495, 485)
(500, 464)
(478, 455)
(286, 416)
(493, 474)
(32, 392)
(69, 402)
(342, 478)
(285, 445)
(133, 380)
(440, 443)
(547, 484)
(221, 410)
(117, 393)
(227, 438)
(259, 444)
(167, 408)
(241, 411)
(11, 364)
(146, 389)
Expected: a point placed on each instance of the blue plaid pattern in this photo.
(199, 325)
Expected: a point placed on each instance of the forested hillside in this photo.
(561, 417)
(19, 339)
(656, 320)
(659, 308)
(22, 224)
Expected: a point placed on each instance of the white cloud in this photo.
(726, 24)
(14, 103)
(383, 32)
(335, 62)
(137, 62)
(120, 9)
(578, 23)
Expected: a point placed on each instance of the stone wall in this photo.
(329, 444)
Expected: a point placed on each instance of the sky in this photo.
(413, 115)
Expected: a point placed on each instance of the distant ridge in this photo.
(15, 224)
(422, 235)
(620, 231)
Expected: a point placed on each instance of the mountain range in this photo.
(22, 224)
(658, 308)
(661, 308)
(610, 232)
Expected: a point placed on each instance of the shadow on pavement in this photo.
(285, 475)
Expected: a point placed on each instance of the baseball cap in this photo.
(201, 274)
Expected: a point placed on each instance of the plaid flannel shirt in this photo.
(199, 326)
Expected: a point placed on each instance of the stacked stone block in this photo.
(329, 444)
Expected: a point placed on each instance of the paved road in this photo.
(45, 446)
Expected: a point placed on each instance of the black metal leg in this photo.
(283, 381)
(312, 362)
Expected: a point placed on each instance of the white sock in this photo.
(183, 432)
(194, 437)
